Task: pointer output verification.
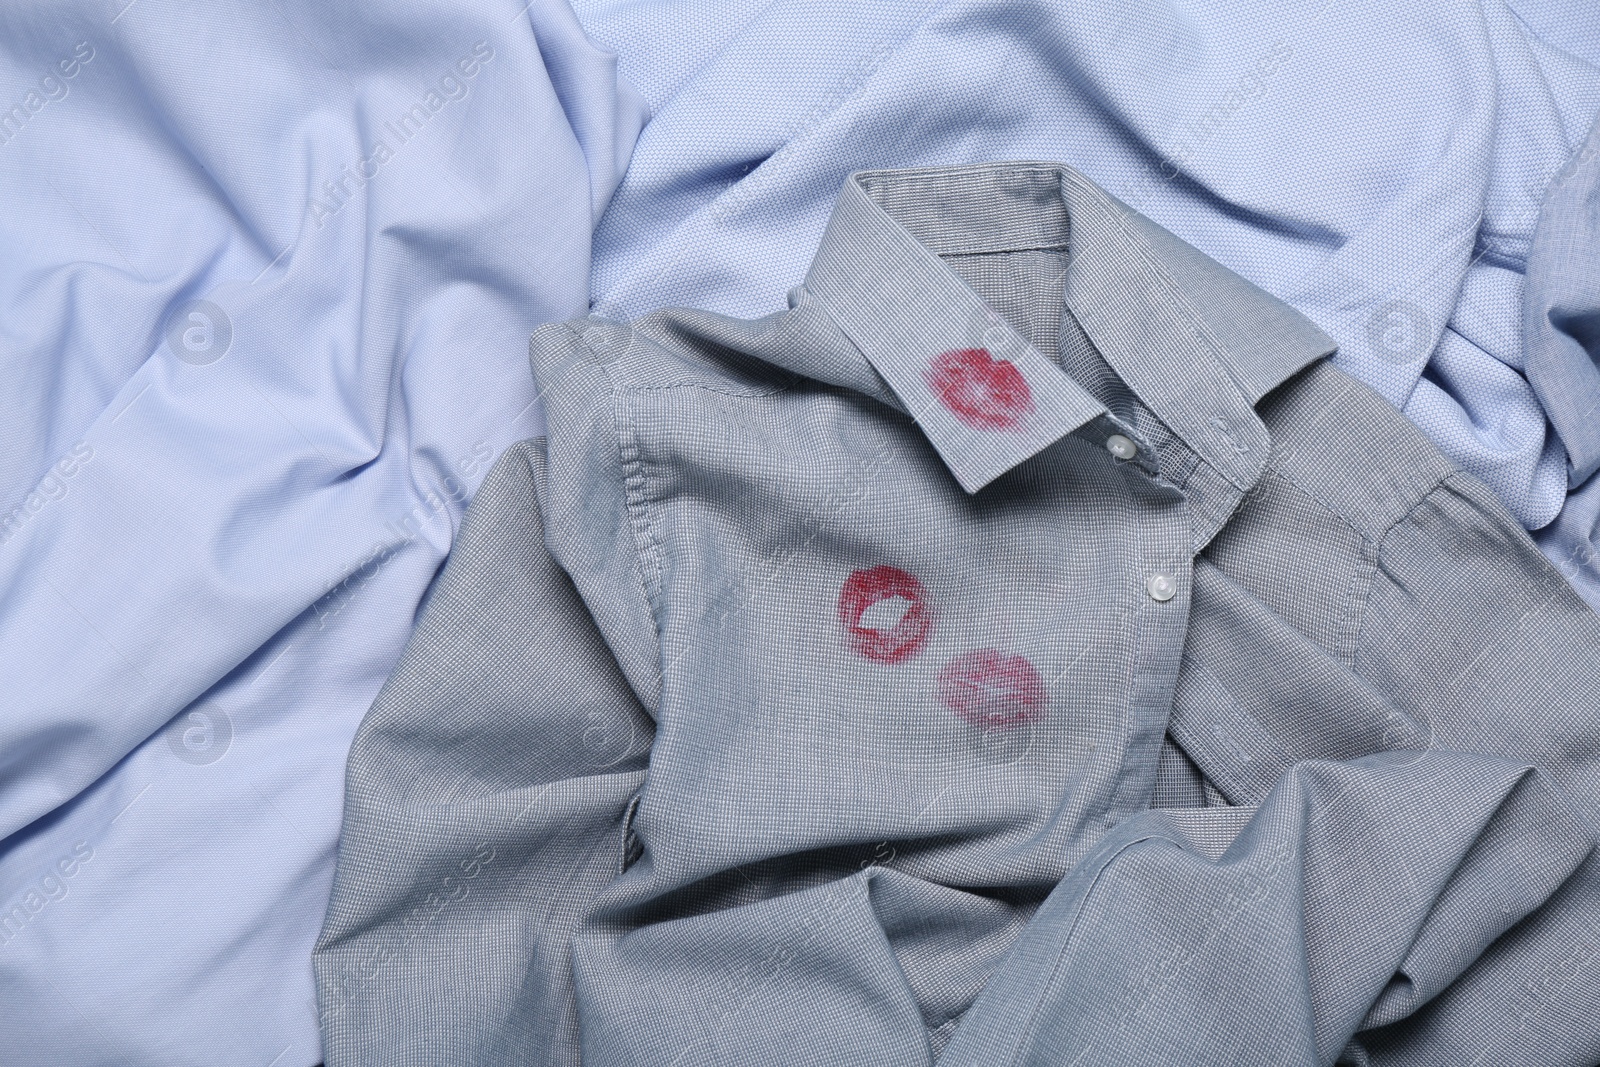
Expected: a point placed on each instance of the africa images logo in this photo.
(451, 86)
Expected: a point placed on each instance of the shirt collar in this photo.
(1197, 344)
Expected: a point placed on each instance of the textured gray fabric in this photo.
(1316, 920)
(486, 808)
(932, 774)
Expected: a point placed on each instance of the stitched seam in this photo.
(1221, 378)
(1359, 590)
(1114, 798)
(647, 547)
(669, 387)
(619, 388)
(647, 551)
(1350, 384)
(1353, 629)
(1060, 246)
(1443, 482)
(632, 847)
(936, 174)
(1554, 585)
(1285, 476)
(1190, 734)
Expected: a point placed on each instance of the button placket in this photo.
(1158, 623)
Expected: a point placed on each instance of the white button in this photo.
(1161, 587)
(1121, 447)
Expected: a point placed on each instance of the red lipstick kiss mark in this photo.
(989, 688)
(866, 588)
(983, 392)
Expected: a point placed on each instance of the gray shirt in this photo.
(1023, 649)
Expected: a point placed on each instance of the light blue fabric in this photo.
(267, 274)
(1562, 329)
(1379, 166)
(1570, 25)
(1572, 542)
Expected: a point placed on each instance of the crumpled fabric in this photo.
(806, 864)
(490, 804)
(1380, 167)
(1241, 935)
(267, 273)
(1561, 324)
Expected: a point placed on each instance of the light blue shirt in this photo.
(267, 274)
(1561, 323)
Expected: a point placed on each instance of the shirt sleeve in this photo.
(1465, 641)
